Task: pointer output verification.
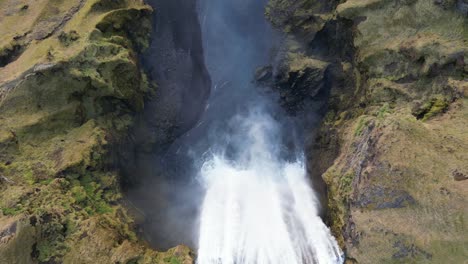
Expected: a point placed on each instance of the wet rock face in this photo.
(462, 6)
(175, 62)
(313, 70)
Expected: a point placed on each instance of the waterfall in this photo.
(233, 186)
(258, 208)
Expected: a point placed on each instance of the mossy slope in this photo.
(392, 147)
(70, 85)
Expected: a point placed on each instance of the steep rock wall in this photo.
(391, 147)
(175, 62)
(156, 178)
(70, 86)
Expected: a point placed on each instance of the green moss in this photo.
(45, 251)
(29, 177)
(58, 124)
(70, 226)
(346, 182)
(172, 260)
(362, 123)
(438, 106)
(79, 194)
(12, 211)
(53, 236)
(383, 111)
(123, 22)
(329, 117)
(431, 108)
(107, 5)
(90, 195)
(121, 222)
(406, 53)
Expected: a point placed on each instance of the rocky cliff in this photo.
(389, 78)
(71, 84)
(392, 144)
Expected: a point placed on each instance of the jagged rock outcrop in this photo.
(298, 80)
(391, 146)
(70, 86)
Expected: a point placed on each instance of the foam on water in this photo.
(260, 208)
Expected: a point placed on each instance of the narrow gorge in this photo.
(233, 132)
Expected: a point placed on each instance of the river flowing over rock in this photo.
(233, 131)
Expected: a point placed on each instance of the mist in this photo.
(241, 162)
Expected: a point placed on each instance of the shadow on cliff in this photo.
(175, 62)
(196, 46)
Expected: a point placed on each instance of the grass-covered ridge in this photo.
(70, 85)
(392, 192)
(392, 147)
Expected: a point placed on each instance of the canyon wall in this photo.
(71, 88)
(392, 144)
(87, 102)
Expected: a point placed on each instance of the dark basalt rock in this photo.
(459, 176)
(175, 63)
(11, 53)
(183, 80)
(297, 80)
(462, 6)
(264, 74)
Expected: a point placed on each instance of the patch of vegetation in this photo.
(12, 211)
(431, 108)
(121, 222)
(123, 22)
(383, 111)
(346, 183)
(107, 5)
(362, 124)
(89, 194)
(172, 260)
(57, 125)
(67, 38)
(53, 235)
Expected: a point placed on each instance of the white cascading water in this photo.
(258, 208)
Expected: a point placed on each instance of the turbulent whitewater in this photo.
(258, 208)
